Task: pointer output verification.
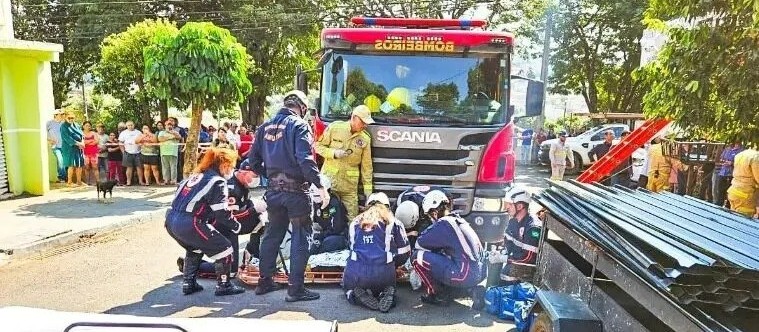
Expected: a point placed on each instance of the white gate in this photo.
(4, 187)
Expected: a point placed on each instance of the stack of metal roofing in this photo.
(705, 257)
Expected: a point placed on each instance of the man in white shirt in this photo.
(233, 136)
(559, 154)
(131, 152)
(54, 139)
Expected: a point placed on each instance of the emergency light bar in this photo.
(418, 22)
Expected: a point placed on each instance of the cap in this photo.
(363, 113)
(562, 133)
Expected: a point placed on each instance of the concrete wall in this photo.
(25, 106)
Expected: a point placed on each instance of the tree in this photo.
(203, 65)
(121, 69)
(705, 79)
(436, 97)
(598, 51)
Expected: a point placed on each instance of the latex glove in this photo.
(496, 257)
(324, 195)
(259, 205)
(339, 153)
(264, 218)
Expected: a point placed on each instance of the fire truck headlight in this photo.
(488, 204)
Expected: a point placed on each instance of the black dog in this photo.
(106, 187)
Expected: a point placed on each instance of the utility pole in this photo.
(544, 64)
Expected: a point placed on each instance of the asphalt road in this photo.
(133, 271)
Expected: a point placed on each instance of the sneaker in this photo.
(302, 295)
(365, 298)
(478, 298)
(266, 286)
(387, 299)
(228, 288)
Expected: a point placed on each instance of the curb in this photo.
(74, 237)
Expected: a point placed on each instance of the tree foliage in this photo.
(705, 79)
(121, 69)
(203, 65)
(598, 51)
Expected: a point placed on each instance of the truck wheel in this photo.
(578, 165)
(542, 323)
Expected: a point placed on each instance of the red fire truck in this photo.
(439, 93)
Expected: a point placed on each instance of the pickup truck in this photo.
(581, 144)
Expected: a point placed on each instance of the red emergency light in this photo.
(418, 22)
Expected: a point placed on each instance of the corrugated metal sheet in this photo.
(703, 256)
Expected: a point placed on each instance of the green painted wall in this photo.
(25, 107)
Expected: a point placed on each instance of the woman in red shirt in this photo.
(91, 142)
(246, 141)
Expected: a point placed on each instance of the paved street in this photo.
(133, 271)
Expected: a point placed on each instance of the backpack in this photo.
(505, 301)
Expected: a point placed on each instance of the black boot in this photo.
(266, 285)
(190, 267)
(387, 299)
(301, 294)
(224, 285)
(365, 298)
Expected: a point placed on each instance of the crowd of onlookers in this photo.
(148, 154)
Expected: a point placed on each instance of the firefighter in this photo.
(330, 231)
(378, 244)
(346, 148)
(743, 193)
(201, 200)
(659, 167)
(448, 255)
(522, 235)
(248, 212)
(282, 150)
(559, 154)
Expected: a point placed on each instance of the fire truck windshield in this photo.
(415, 90)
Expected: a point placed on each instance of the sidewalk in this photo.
(32, 225)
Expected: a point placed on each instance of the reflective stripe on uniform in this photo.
(522, 245)
(218, 206)
(388, 239)
(202, 193)
(352, 235)
(460, 236)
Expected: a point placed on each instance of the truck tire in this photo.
(578, 165)
(542, 323)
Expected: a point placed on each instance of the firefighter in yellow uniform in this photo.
(346, 148)
(743, 193)
(659, 167)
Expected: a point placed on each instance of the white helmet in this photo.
(299, 96)
(408, 213)
(433, 199)
(518, 194)
(314, 191)
(377, 198)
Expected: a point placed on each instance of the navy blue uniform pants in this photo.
(197, 236)
(366, 276)
(438, 270)
(287, 208)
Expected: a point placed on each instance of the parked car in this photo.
(581, 144)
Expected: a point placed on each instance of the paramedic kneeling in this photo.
(378, 244)
(282, 151)
(448, 254)
(201, 200)
(522, 235)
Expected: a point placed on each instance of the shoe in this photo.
(266, 285)
(190, 266)
(365, 298)
(302, 295)
(387, 299)
(224, 285)
(228, 288)
(478, 298)
(180, 264)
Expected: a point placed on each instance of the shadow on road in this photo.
(78, 208)
(167, 300)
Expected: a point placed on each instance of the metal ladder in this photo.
(623, 150)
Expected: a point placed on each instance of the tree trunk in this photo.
(258, 108)
(191, 151)
(163, 107)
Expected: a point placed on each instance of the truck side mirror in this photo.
(302, 82)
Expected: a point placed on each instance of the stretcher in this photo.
(249, 275)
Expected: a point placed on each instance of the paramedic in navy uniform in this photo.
(282, 151)
(200, 200)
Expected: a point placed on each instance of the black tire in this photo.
(542, 323)
(577, 163)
